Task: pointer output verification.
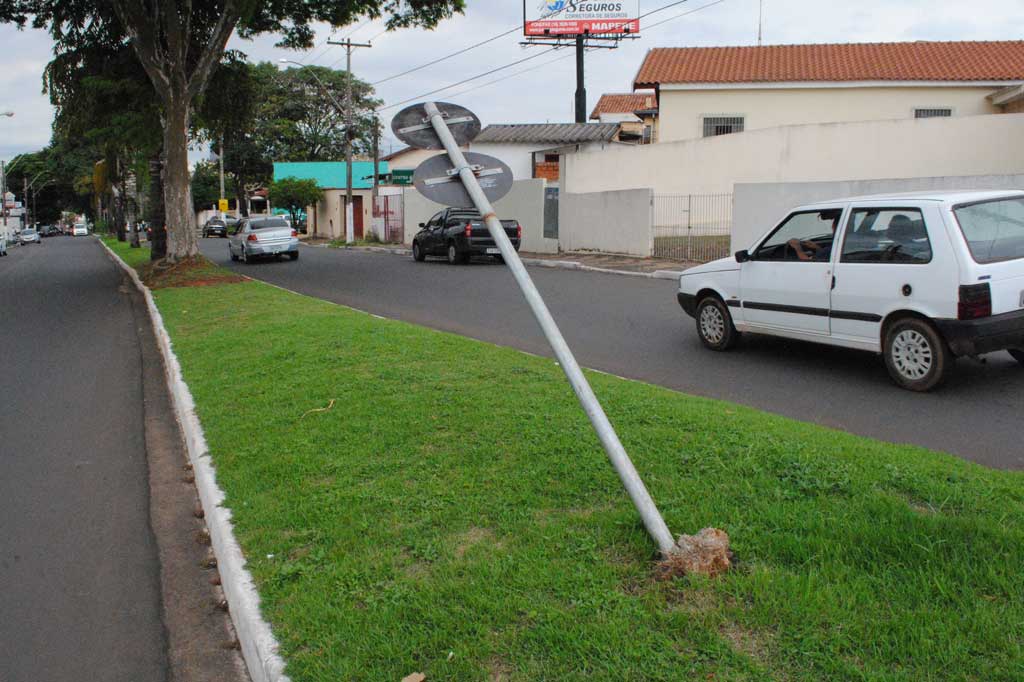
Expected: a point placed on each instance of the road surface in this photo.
(80, 590)
(634, 328)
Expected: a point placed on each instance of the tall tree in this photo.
(180, 42)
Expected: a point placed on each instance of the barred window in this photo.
(933, 113)
(722, 125)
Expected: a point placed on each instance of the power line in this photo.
(534, 68)
(467, 80)
(446, 57)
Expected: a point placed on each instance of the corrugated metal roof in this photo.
(330, 174)
(547, 133)
(917, 61)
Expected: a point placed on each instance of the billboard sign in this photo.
(578, 17)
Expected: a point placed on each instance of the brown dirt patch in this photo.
(472, 537)
(748, 642)
(499, 670)
(196, 271)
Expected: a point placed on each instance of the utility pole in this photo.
(581, 86)
(220, 159)
(760, 21)
(349, 211)
(376, 176)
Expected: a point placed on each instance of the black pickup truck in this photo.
(460, 233)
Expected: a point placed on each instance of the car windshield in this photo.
(28, 232)
(268, 223)
(994, 229)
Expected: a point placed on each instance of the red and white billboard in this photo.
(578, 17)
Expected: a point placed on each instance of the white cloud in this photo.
(546, 93)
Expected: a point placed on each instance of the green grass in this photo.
(452, 513)
(133, 257)
(696, 247)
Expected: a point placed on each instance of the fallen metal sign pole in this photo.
(652, 519)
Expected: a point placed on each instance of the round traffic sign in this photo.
(437, 180)
(412, 126)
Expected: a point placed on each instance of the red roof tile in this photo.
(618, 103)
(918, 61)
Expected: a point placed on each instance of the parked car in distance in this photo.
(920, 278)
(79, 230)
(459, 234)
(29, 236)
(215, 227)
(255, 238)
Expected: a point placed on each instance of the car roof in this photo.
(952, 196)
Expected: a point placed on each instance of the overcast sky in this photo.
(543, 90)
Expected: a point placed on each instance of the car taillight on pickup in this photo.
(295, 233)
(469, 230)
(519, 231)
(252, 237)
(975, 301)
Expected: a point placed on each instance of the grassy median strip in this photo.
(411, 500)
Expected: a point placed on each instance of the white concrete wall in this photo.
(682, 111)
(972, 145)
(330, 214)
(610, 222)
(525, 203)
(758, 207)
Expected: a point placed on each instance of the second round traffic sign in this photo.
(436, 180)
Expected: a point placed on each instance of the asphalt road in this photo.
(634, 328)
(80, 591)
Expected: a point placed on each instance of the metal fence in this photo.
(390, 210)
(692, 227)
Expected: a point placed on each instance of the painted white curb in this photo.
(259, 647)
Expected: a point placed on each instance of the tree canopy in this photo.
(295, 195)
(179, 44)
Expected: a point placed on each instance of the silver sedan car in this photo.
(267, 237)
(29, 236)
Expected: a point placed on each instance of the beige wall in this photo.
(610, 222)
(330, 214)
(682, 111)
(975, 145)
(411, 158)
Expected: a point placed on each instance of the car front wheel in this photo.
(916, 355)
(714, 324)
(417, 252)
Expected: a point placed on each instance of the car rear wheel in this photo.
(1018, 355)
(714, 324)
(417, 252)
(454, 257)
(916, 355)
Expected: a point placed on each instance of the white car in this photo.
(920, 278)
(79, 230)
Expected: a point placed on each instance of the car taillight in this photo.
(295, 233)
(519, 231)
(975, 301)
(469, 230)
(252, 238)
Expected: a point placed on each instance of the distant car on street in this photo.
(29, 236)
(215, 227)
(458, 234)
(255, 238)
(79, 230)
(920, 278)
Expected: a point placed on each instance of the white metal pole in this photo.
(652, 519)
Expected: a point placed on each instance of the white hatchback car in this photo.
(920, 278)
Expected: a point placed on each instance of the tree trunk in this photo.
(181, 226)
(157, 218)
(243, 210)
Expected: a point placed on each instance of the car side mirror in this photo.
(743, 256)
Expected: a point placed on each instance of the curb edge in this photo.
(259, 646)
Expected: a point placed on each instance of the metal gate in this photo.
(390, 210)
(692, 227)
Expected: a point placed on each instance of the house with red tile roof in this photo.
(636, 112)
(708, 91)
